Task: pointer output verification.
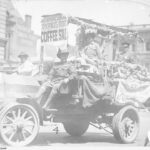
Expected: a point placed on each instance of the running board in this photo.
(51, 110)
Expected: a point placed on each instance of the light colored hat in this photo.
(23, 54)
(125, 45)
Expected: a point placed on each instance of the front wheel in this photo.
(19, 125)
(126, 125)
(76, 128)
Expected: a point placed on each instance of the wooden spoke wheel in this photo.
(19, 125)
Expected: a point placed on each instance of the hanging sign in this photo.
(53, 34)
(53, 29)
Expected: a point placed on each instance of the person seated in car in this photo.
(60, 73)
(26, 67)
(141, 73)
(125, 54)
(91, 55)
(91, 51)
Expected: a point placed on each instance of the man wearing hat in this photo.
(125, 54)
(26, 67)
(61, 73)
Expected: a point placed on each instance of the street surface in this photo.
(92, 138)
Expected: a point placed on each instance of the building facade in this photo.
(3, 40)
(16, 34)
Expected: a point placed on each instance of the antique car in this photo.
(21, 116)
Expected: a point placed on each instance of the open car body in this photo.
(21, 116)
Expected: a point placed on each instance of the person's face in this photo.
(78, 32)
(90, 40)
(23, 59)
(63, 59)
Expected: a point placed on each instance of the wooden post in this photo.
(117, 46)
(41, 58)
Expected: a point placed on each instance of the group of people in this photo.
(124, 70)
(127, 67)
(62, 72)
(91, 56)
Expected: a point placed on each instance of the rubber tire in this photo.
(76, 128)
(7, 109)
(116, 123)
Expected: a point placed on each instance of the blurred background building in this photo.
(143, 52)
(3, 40)
(16, 34)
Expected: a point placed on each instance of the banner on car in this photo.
(133, 90)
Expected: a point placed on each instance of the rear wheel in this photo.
(19, 125)
(126, 125)
(76, 128)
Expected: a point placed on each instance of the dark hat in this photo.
(62, 53)
(90, 35)
(23, 54)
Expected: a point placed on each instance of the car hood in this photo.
(17, 86)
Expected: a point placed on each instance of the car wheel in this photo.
(76, 128)
(125, 125)
(19, 125)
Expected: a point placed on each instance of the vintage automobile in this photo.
(21, 117)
